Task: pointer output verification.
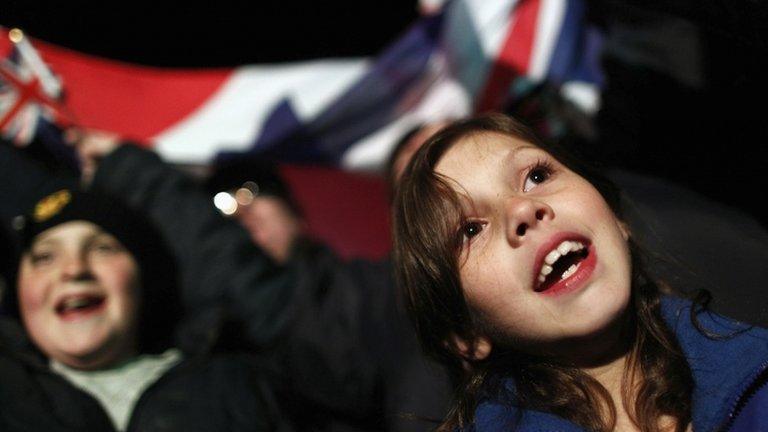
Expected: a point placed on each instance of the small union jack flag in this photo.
(29, 92)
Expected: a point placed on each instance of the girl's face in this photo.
(78, 296)
(544, 262)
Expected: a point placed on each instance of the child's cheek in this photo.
(31, 292)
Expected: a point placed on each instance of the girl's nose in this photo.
(524, 214)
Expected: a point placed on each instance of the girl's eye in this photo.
(540, 173)
(470, 230)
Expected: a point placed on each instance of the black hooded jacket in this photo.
(208, 390)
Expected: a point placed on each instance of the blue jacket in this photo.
(723, 371)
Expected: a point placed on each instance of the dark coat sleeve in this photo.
(353, 352)
(224, 277)
(325, 373)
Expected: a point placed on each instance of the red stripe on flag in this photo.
(356, 225)
(5, 44)
(136, 101)
(27, 92)
(514, 57)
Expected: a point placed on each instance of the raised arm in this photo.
(313, 303)
(224, 277)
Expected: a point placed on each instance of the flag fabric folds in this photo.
(469, 56)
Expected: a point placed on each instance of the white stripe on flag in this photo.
(491, 23)
(233, 117)
(446, 99)
(548, 27)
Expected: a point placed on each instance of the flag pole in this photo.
(29, 54)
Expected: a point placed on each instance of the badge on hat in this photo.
(51, 205)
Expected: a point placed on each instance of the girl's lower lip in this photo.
(576, 280)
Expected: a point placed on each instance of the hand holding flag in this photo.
(91, 146)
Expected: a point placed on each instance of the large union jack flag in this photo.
(467, 56)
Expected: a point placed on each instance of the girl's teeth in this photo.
(571, 270)
(552, 257)
(562, 249)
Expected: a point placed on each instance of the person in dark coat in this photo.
(91, 344)
(343, 363)
(348, 317)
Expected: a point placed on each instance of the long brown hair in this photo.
(657, 381)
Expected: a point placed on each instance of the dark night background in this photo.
(220, 33)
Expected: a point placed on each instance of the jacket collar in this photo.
(15, 343)
(723, 366)
(722, 369)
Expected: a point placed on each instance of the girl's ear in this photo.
(473, 350)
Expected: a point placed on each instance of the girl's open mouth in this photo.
(565, 266)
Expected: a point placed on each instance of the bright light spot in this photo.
(225, 202)
(252, 186)
(244, 196)
(15, 35)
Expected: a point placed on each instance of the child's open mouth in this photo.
(564, 264)
(79, 305)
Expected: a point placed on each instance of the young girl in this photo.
(96, 297)
(522, 279)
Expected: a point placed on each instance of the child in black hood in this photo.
(96, 295)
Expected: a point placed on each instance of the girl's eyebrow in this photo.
(510, 157)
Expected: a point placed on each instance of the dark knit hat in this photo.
(157, 269)
(66, 205)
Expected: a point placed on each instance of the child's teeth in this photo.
(571, 270)
(552, 257)
(564, 247)
(561, 250)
